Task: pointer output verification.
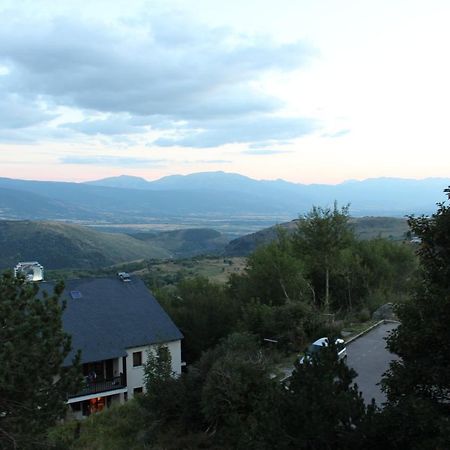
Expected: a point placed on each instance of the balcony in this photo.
(96, 387)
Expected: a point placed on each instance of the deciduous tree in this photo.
(203, 312)
(321, 236)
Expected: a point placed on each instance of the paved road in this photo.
(370, 358)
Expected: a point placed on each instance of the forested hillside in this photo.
(287, 285)
(60, 245)
(364, 227)
(187, 242)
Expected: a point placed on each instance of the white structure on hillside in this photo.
(32, 271)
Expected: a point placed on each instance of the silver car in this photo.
(316, 346)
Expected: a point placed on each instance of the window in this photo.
(137, 391)
(137, 359)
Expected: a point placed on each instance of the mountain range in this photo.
(127, 199)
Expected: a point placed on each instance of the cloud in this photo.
(242, 130)
(17, 112)
(336, 134)
(164, 66)
(114, 125)
(208, 161)
(107, 160)
(154, 72)
(262, 151)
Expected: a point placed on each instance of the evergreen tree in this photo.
(33, 346)
(322, 408)
(158, 367)
(235, 390)
(420, 380)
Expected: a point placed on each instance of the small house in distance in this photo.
(114, 322)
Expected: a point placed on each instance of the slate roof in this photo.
(112, 315)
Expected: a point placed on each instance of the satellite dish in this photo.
(32, 271)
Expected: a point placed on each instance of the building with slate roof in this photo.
(115, 322)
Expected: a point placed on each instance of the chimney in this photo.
(32, 271)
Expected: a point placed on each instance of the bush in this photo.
(120, 427)
(364, 315)
(375, 300)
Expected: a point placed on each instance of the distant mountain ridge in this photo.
(128, 199)
(122, 181)
(373, 196)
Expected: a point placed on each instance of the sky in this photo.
(308, 91)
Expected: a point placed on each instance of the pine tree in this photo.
(323, 409)
(33, 346)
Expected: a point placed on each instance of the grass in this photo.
(215, 269)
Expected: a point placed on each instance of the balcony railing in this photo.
(95, 387)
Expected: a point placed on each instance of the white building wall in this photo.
(175, 353)
(135, 375)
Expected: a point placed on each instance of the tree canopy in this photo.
(321, 236)
(323, 409)
(420, 380)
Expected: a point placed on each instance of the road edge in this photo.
(380, 322)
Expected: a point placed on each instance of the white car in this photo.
(323, 342)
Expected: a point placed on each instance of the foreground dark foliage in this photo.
(33, 346)
(418, 385)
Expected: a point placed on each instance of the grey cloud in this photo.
(16, 112)
(33, 133)
(243, 130)
(161, 73)
(107, 160)
(144, 71)
(115, 125)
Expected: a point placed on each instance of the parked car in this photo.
(316, 346)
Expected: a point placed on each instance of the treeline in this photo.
(296, 288)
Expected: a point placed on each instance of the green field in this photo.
(215, 269)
